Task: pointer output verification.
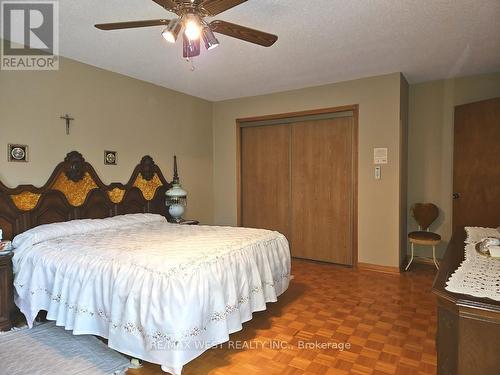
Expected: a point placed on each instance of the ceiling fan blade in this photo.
(131, 24)
(243, 33)
(214, 7)
(169, 5)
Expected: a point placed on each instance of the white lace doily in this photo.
(478, 275)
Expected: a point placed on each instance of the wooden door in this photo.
(265, 177)
(323, 190)
(476, 164)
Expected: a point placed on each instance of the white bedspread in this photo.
(158, 291)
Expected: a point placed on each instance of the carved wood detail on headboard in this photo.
(75, 191)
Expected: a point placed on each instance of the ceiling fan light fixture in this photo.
(190, 21)
(192, 27)
(171, 33)
(209, 38)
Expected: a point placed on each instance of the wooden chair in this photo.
(425, 214)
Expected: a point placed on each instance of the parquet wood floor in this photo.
(389, 321)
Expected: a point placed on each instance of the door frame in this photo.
(355, 157)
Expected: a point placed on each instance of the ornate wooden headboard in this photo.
(74, 191)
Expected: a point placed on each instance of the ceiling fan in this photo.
(190, 18)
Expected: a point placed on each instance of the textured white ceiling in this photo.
(320, 42)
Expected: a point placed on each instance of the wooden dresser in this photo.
(468, 332)
(6, 301)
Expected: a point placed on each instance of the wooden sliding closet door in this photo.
(323, 190)
(265, 177)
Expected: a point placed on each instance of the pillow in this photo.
(50, 231)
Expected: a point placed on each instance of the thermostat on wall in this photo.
(380, 155)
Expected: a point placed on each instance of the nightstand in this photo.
(186, 222)
(6, 301)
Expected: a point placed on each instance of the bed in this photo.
(157, 291)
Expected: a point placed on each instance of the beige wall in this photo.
(112, 112)
(430, 163)
(379, 126)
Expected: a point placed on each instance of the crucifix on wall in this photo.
(68, 119)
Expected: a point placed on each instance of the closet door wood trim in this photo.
(355, 109)
(312, 112)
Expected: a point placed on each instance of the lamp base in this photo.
(176, 211)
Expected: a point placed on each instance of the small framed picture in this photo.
(110, 158)
(17, 152)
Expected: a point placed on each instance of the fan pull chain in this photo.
(191, 61)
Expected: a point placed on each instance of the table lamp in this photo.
(176, 197)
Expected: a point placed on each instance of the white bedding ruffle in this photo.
(157, 291)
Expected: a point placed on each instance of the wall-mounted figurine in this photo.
(67, 119)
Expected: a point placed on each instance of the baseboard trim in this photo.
(378, 268)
